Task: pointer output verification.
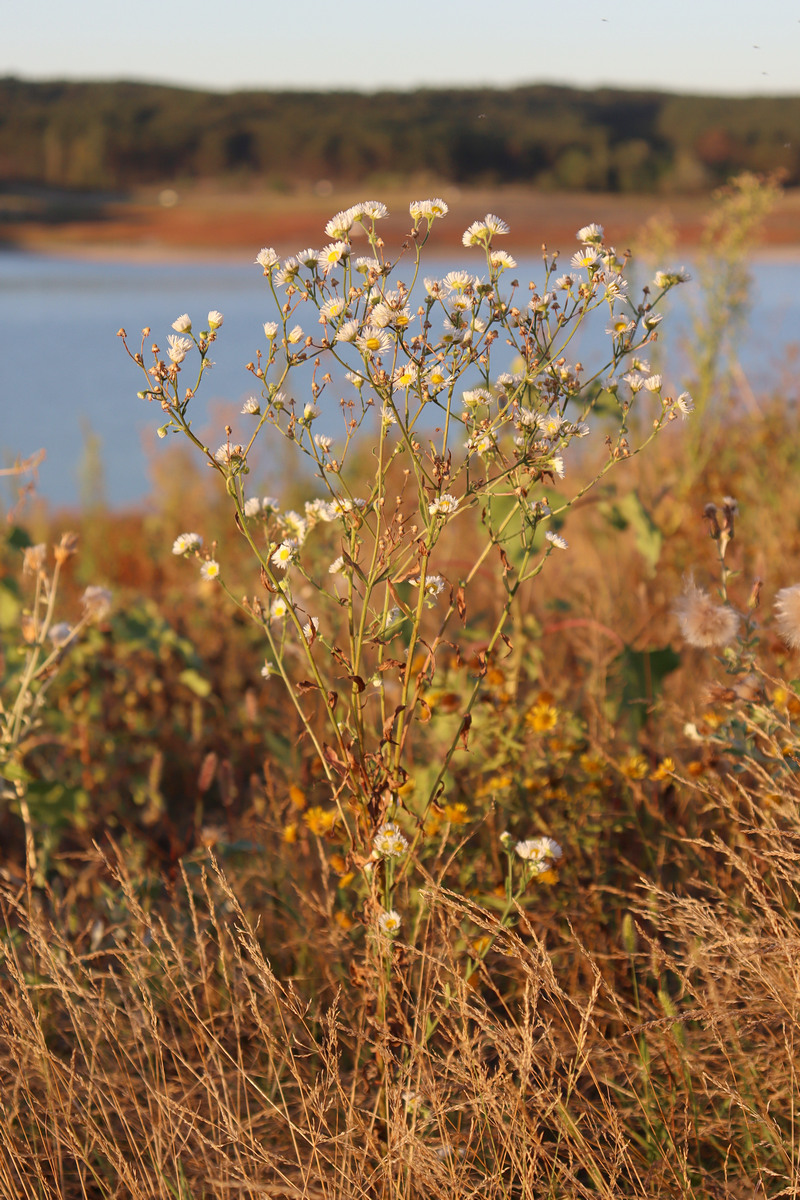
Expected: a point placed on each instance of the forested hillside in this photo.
(120, 135)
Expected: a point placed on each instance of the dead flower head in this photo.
(704, 623)
(787, 615)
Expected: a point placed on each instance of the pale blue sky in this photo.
(712, 46)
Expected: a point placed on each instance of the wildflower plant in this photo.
(461, 386)
(31, 668)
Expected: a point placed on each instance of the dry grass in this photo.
(155, 1053)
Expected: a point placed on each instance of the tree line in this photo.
(115, 136)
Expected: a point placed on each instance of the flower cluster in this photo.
(539, 853)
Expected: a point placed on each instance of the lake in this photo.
(64, 373)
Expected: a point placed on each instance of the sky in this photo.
(727, 47)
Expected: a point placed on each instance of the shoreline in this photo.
(93, 252)
(213, 225)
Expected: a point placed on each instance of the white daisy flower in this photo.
(330, 256)
(332, 308)
(590, 233)
(389, 923)
(251, 407)
(215, 319)
(634, 380)
(685, 404)
(365, 265)
(443, 505)
(347, 332)
(294, 335)
(668, 279)
(539, 853)
(285, 554)
(499, 258)
(389, 841)
(182, 324)
(495, 225)
(405, 376)
(279, 609)
(428, 209)
(339, 226)
(270, 329)
(267, 258)
(374, 209)
(458, 281)
(186, 542)
(178, 347)
(557, 540)
(477, 233)
(209, 570)
(288, 272)
(373, 340)
(587, 257)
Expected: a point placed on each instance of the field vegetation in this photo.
(430, 829)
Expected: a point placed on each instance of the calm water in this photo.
(63, 371)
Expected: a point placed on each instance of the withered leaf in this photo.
(461, 603)
(463, 732)
(389, 722)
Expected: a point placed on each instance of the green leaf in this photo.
(195, 682)
(18, 538)
(9, 608)
(643, 673)
(630, 513)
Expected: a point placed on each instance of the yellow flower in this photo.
(289, 834)
(542, 717)
(342, 920)
(495, 783)
(347, 879)
(338, 864)
(456, 814)
(780, 697)
(664, 770)
(297, 797)
(319, 820)
(592, 764)
(635, 766)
